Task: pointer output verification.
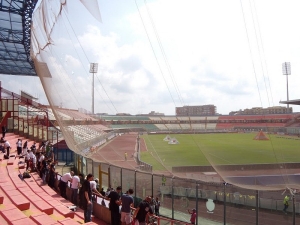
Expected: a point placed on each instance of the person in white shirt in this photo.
(30, 159)
(7, 147)
(64, 182)
(75, 185)
(19, 146)
(41, 159)
(94, 184)
(33, 158)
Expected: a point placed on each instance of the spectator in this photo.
(4, 130)
(127, 203)
(114, 197)
(152, 203)
(19, 146)
(193, 216)
(93, 184)
(40, 161)
(143, 211)
(33, 147)
(52, 175)
(31, 161)
(86, 198)
(44, 170)
(157, 205)
(102, 192)
(75, 185)
(2, 148)
(64, 182)
(7, 147)
(107, 191)
(25, 147)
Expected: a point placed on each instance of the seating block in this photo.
(20, 201)
(11, 215)
(53, 202)
(43, 219)
(8, 206)
(7, 186)
(21, 165)
(65, 211)
(68, 221)
(43, 206)
(11, 160)
(26, 221)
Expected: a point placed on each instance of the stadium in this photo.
(232, 169)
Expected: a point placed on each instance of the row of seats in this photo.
(29, 201)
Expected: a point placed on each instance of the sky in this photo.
(156, 55)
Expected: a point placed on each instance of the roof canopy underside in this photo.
(15, 22)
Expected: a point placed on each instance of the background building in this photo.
(198, 110)
(262, 111)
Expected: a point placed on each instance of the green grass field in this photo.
(219, 149)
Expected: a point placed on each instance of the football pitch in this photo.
(219, 149)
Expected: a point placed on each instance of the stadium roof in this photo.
(15, 22)
(291, 102)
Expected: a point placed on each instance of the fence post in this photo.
(224, 193)
(257, 206)
(152, 187)
(135, 183)
(197, 187)
(121, 178)
(294, 210)
(109, 175)
(172, 197)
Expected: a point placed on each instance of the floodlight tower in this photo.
(286, 70)
(93, 70)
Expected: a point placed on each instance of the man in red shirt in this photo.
(193, 216)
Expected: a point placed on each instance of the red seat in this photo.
(1, 199)
(20, 201)
(43, 219)
(68, 221)
(24, 221)
(11, 215)
(64, 210)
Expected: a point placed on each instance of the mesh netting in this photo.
(190, 147)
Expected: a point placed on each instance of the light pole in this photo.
(93, 70)
(286, 70)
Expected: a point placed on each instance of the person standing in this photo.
(142, 211)
(163, 180)
(75, 185)
(193, 216)
(4, 130)
(19, 146)
(157, 205)
(86, 198)
(125, 156)
(25, 147)
(7, 147)
(52, 175)
(127, 203)
(64, 182)
(286, 203)
(114, 197)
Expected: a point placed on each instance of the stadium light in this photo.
(93, 70)
(286, 70)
